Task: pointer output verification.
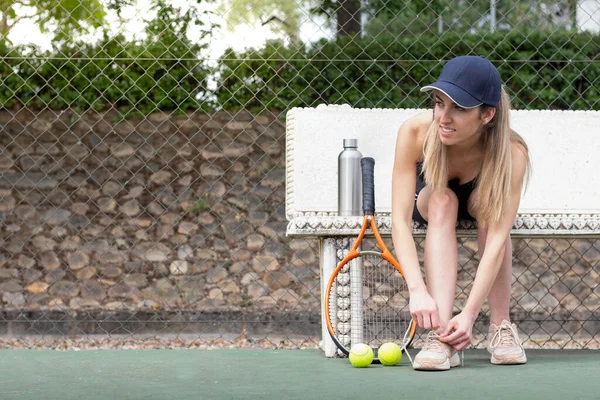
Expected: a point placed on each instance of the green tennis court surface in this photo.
(286, 374)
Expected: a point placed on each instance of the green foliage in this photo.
(269, 78)
(200, 206)
(61, 17)
(283, 15)
(541, 70)
(416, 17)
(114, 73)
(161, 72)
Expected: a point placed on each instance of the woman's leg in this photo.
(504, 342)
(440, 210)
(499, 296)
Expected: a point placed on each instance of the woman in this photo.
(460, 161)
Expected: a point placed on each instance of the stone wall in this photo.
(163, 213)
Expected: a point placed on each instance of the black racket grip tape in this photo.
(368, 184)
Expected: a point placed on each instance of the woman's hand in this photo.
(423, 310)
(459, 331)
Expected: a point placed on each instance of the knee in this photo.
(443, 207)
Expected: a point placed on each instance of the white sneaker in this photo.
(436, 355)
(505, 346)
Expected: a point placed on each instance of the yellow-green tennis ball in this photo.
(361, 355)
(389, 354)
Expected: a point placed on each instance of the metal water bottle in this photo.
(349, 179)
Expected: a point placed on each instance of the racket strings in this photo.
(385, 303)
(368, 303)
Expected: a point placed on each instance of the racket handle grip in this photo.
(368, 177)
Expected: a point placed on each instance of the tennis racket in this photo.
(366, 300)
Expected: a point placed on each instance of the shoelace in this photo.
(432, 342)
(429, 343)
(504, 336)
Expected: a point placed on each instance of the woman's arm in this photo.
(404, 177)
(408, 151)
(498, 233)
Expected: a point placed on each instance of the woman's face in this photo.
(457, 125)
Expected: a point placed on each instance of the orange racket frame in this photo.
(369, 221)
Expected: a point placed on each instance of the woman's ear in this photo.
(488, 114)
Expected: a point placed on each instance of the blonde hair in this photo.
(493, 184)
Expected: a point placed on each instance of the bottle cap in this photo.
(351, 143)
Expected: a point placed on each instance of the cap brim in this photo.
(456, 94)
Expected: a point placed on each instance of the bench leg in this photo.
(328, 261)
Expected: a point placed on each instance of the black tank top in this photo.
(462, 191)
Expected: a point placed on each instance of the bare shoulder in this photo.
(413, 130)
(520, 160)
(519, 152)
(419, 121)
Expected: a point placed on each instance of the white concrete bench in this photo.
(563, 198)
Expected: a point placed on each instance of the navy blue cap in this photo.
(469, 81)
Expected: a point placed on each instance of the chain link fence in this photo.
(142, 176)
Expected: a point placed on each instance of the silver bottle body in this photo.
(349, 180)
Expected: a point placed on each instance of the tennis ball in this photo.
(361, 355)
(389, 354)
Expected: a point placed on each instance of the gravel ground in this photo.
(156, 342)
(235, 342)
